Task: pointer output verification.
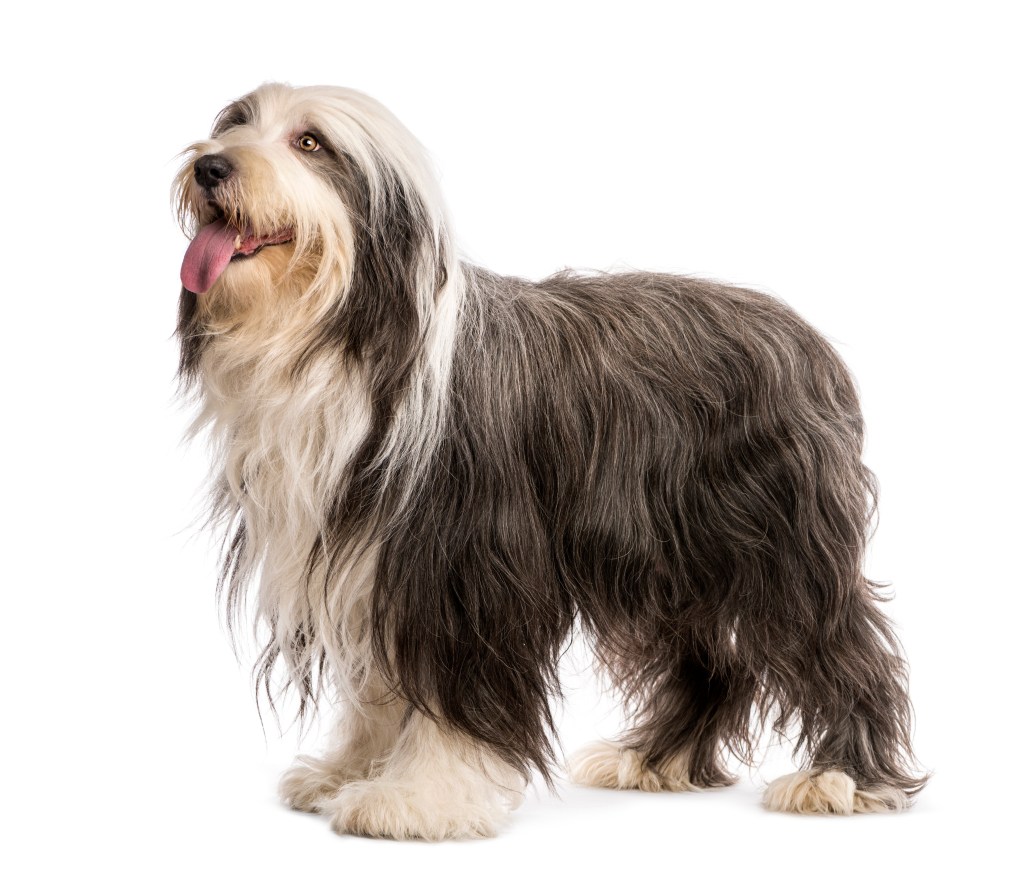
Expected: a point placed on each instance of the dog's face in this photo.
(282, 196)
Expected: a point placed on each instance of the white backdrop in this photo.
(863, 163)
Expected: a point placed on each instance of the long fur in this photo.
(432, 473)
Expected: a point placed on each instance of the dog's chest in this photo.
(286, 440)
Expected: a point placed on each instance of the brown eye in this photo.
(308, 143)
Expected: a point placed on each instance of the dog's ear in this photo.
(399, 270)
(403, 270)
(241, 112)
(191, 338)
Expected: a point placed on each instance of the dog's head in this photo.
(309, 200)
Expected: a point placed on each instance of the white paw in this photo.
(608, 765)
(830, 792)
(309, 782)
(386, 808)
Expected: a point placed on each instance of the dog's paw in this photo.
(831, 791)
(386, 808)
(608, 765)
(309, 782)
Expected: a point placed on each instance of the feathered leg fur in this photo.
(364, 736)
(436, 784)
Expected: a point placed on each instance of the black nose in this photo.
(213, 170)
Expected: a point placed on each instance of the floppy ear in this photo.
(191, 338)
(399, 268)
(385, 323)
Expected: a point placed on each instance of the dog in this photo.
(430, 476)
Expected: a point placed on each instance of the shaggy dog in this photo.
(430, 474)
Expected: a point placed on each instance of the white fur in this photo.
(282, 446)
(608, 765)
(436, 784)
(831, 791)
(364, 737)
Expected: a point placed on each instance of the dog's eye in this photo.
(308, 143)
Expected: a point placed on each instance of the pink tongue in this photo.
(207, 256)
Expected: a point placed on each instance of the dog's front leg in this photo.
(364, 736)
(437, 783)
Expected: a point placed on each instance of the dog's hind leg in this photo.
(847, 689)
(690, 708)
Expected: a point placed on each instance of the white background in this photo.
(863, 163)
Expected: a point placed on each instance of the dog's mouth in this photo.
(217, 244)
